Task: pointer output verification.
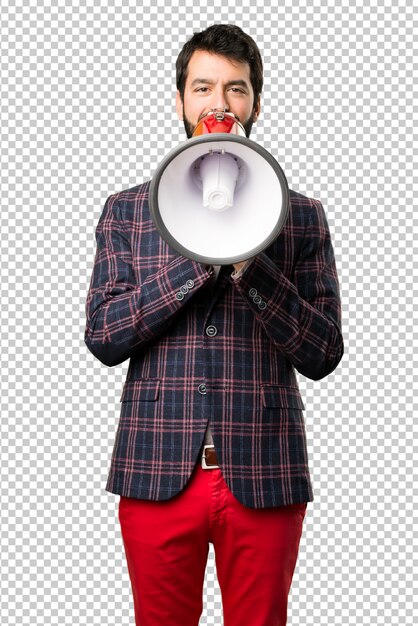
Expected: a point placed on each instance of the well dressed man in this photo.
(211, 445)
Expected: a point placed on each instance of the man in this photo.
(211, 446)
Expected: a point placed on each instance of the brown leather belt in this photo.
(209, 458)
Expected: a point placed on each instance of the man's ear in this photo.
(179, 106)
(257, 109)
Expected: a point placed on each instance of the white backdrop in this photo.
(87, 105)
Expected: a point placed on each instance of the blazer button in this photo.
(184, 289)
(179, 295)
(262, 305)
(190, 283)
(202, 389)
(211, 331)
(257, 299)
(253, 292)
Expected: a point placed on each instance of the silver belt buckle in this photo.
(204, 465)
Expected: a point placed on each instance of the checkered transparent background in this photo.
(87, 108)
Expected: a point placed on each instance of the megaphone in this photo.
(219, 198)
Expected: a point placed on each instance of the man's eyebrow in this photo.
(206, 81)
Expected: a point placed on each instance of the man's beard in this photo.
(189, 127)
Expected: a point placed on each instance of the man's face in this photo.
(214, 81)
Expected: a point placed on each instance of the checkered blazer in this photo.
(225, 353)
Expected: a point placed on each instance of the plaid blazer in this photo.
(226, 354)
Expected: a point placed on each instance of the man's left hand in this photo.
(238, 266)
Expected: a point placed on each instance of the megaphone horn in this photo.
(219, 198)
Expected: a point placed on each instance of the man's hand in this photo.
(238, 266)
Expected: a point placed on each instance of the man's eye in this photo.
(236, 89)
(202, 89)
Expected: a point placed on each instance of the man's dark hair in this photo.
(226, 40)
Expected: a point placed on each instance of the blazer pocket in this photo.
(277, 396)
(141, 390)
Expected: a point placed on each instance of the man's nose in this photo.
(220, 100)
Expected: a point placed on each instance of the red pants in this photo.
(167, 542)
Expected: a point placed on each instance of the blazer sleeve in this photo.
(122, 315)
(303, 319)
